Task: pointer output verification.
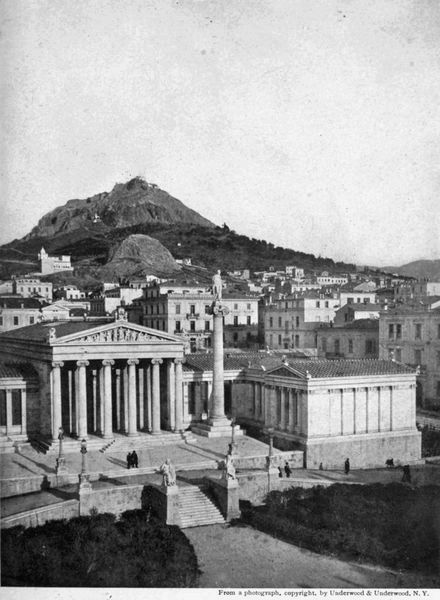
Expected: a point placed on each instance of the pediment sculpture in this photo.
(119, 334)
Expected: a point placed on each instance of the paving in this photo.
(242, 557)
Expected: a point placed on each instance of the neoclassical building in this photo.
(95, 378)
(99, 377)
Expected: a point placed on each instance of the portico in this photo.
(99, 378)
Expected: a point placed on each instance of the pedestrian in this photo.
(406, 474)
(134, 458)
(321, 468)
(287, 469)
(347, 466)
(280, 472)
(128, 460)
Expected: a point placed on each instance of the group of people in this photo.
(287, 470)
(132, 460)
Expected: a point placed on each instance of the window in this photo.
(297, 321)
(177, 309)
(326, 304)
(280, 322)
(279, 340)
(438, 358)
(207, 309)
(3, 408)
(350, 300)
(248, 306)
(398, 354)
(1, 321)
(337, 346)
(271, 340)
(270, 322)
(286, 326)
(370, 347)
(235, 320)
(248, 320)
(235, 306)
(16, 407)
(15, 320)
(391, 353)
(317, 304)
(192, 309)
(31, 320)
(235, 336)
(418, 331)
(391, 331)
(192, 398)
(438, 331)
(207, 325)
(297, 340)
(398, 331)
(350, 346)
(192, 325)
(178, 326)
(438, 389)
(418, 356)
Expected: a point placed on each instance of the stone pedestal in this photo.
(61, 467)
(226, 492)
(165, 502)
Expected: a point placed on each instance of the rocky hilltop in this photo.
(139, 255)
(132, 203)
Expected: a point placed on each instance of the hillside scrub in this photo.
(99, 551)
(394, 525)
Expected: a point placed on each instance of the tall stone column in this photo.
(95, 397)
(107, 398)
(71, 406)
(171, 394)
(141, 398)
(56, 398)
(9, 411)
(217, 416)
(23, 412)
(291, 417)
(178, 394)
(82, 398)
(118, 399)
(283, 408)
(148, 397)
(155, 412)
(132, 408)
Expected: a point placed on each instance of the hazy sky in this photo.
(312, 124)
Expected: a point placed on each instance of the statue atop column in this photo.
(217, 286)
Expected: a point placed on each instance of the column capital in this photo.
(82, 363)
(179, 361)
(132, 361)
(157, 361)
(108, 362)
(57, 364)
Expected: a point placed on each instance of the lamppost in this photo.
(269, 458)
(84, 477)
(233, 443)
(61, 461)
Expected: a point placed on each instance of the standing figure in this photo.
(217, 286)
(134, 458)
(287, 469)
(229, 471)
(169, 473)
(129, 459)
(280, 472)
(347, 466)
(406, 474)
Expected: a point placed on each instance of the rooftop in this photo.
(19, 302)
(16, 370)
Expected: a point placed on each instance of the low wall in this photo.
(295, 458)
(226, 492)
(114, 500)
(364, 451)
(38, 516)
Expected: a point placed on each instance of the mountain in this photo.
(114, 234)
(136, 201)
(421, 269)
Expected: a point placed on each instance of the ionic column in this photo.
(148, 397)
(118, 399)
(178, 394)
(171, 395)
(95, 420)
(290, 426)
(141, 397)
(209, 397)
(125, 398)
(107, 398)
(198, 399)
(132, 408)
(283, 408)
(155, 413)
(185, 401)
(82, 398)
(70, 394)
(23, 412)
(8, 411)
(56, 398)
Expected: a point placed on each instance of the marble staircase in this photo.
(196, 508)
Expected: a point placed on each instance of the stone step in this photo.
(196, 508)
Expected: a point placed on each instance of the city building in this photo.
(416, 289)
(53, 264)
(32, 287)
(63, 310)
(18, 312)
(410, 333)
(326, 279)
(356, 339)
(355, 312)
(292, 322)
(295, 272)
(351, 296)
(70, 292)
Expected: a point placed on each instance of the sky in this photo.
(312, 124)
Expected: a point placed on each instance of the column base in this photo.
(84, 483)
(216, 428)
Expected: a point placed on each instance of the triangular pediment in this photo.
(118, 332)
(285, 371)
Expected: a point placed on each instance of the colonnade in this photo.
(125, 395)
(277, 406)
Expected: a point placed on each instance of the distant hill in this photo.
(93, 232)
(421, 269)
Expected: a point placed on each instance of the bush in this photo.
(99, 551)
(394, 525)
